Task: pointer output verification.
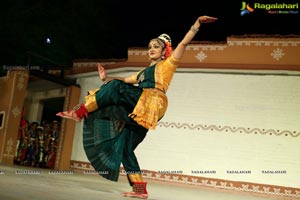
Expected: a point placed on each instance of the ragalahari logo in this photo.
(246, 9)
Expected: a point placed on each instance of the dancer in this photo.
(118, 115)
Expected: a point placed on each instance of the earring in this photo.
(163, 57)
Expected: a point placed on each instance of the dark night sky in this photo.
(104, 29)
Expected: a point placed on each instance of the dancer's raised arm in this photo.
(179, 50)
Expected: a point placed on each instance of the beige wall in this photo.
(223, 122)
(232, 108)
(229, 122)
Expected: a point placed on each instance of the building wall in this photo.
(238, 53)
(13, 89)
(223, 123)
(33, 102)
(233, 119)
(236, 126)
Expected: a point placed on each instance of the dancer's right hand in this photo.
(102, 72)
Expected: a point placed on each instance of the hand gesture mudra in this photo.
(206, 19)
(102, 72)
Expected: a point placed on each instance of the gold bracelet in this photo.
(194, 30)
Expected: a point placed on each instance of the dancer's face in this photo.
(155, 50)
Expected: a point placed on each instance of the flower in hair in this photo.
(168, 49)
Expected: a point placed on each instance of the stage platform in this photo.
(27, 183)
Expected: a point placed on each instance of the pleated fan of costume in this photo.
(104, 135)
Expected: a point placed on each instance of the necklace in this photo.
(155, 61)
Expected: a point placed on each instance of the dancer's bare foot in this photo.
(135, 195)
(77, 114)
(139, 191)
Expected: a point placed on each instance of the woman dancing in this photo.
(118, 115)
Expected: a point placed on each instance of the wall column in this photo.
(13, 91)
(64, 151)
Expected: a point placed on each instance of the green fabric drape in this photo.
(109, 135)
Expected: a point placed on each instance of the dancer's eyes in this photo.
(154, 47)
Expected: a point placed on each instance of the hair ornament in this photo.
(168, 44)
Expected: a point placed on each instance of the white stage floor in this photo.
(78, 186)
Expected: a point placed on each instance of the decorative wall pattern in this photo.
(277, 54)
(137, 53)
(201, 56)
(211, 47)
(16, 111)
(9, 149)
(260, 43)
(229, 129)
(14, 89)
(202, 181)
(22, 80)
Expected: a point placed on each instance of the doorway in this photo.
(38, 141)
(50, 135)
(51, 107)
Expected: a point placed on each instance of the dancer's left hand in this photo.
(206, 19)
(102, 72)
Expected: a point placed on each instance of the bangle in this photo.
(194, 30)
